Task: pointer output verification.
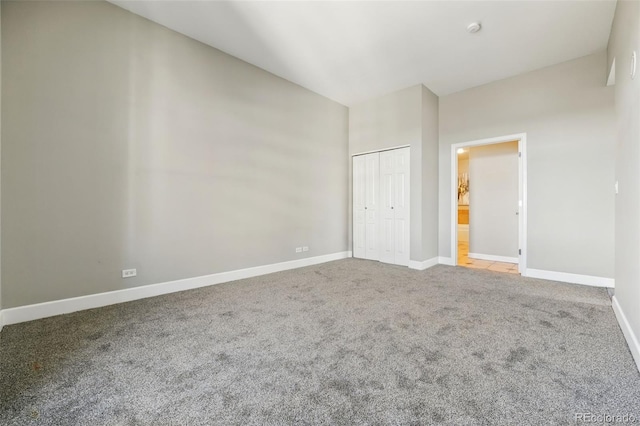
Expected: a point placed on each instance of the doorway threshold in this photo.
(465, 261)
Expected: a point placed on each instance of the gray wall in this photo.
(567, 113)
(127, 145)
(429, 179)
(493, 175)
(625, 38)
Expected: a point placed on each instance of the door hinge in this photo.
(519, 251)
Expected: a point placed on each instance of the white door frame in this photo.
(353, 230)
(521, 138)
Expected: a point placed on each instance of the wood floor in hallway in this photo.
(467, 262)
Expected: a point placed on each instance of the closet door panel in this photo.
(401, 206)
(387, 199)
(401, 243)
(359, 220)
(372, 205)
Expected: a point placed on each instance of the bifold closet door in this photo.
(394, 209)
(366, 195)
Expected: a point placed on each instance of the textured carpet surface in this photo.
(346, 342)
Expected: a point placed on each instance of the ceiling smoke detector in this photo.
(473, 27)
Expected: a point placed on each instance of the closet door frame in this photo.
(357, 211)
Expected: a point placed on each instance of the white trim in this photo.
(493, 258)
(1, 319)
(381, 150)
(524, 205)
(425, 264)
(446, 261)
(65, 306)
(522, 181)
(627, 331)
(566, 277)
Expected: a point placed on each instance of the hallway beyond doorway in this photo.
(464, 260)
(488, 238)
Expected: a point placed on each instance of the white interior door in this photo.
(401, 205)
(372, 205)
(381, 206)
(366, 200)
(394, 198)
(494, 212)
(387, 200)
(359, 222)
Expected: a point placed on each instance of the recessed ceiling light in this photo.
(460, 150)
(474, 27)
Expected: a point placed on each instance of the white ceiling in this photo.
(357, 50)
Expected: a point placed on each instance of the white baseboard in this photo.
(65, 306)
(493, 258)
(1, 319)
(446, 261)
(425, 264)
(569, 278)
(627, 331)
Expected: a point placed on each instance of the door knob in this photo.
(517, 213)
(391, 208)
(365, 208)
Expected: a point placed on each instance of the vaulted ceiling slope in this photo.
(351, 51)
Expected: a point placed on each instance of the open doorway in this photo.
(489, 204)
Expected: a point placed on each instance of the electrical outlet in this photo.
(298, 249)
(128, 273)
(305, 248)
